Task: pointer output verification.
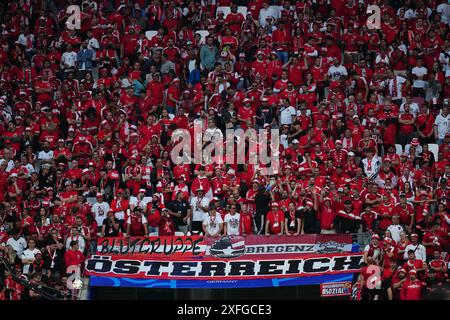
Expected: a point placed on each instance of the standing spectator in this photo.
(412, 289)
(74, 256)
(441, 125)
(232, 223)
(17, 242)
(28, 255)
(110, 225)
(208, 54)
(137, 223)
(85, 57)
(100, 209)
(68, 60)
(418, 249)
(420, 76)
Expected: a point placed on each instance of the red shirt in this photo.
(412, 290)
(326, 216)
(275, 218)
(74, 258)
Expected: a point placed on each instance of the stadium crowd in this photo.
(87, 114)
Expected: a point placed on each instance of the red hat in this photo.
(274, 204)
(375, 236)
(142, 190)
(412, 271)
(415, 142)
(99, 195)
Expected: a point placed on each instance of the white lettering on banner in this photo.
(229, 269)
(249, 249)
(335, 289)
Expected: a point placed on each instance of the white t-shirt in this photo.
(28, 255)
(100, 210)
(19, 245)
(69, 58)
(442, 125)
(400, 81)
(420, 72)
(212, 223)
(335, 73)
(197, 213)
(420, 253)
(233, 222)
(395, 231)
(286, 115)
(42, 155)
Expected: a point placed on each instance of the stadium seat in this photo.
(150, 34)
(179, 234)
(225, 10)
(398, 149)
(277, 9)
(242, 10)
(433, 147)
(153, 234)
(203, 34)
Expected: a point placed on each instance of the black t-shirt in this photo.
(262, 201)
(292, 225)
(179, 206)
(109, 229)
